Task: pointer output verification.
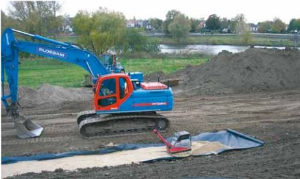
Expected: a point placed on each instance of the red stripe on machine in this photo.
(150, 104)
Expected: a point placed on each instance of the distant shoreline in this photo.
(271, 40)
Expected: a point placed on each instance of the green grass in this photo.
(154, 65)
(231, 39)
(35, 71)
(207, 40)
(265, 41)
(217, 39)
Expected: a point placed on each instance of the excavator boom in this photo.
(10, 48)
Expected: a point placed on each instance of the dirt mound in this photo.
(249, 71)
(51, 95)
(154, 76)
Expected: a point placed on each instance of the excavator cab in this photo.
(111, 91)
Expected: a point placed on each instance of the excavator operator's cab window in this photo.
(123, 87)
(108, 91)
(108, 87)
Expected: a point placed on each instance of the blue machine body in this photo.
(144, 100)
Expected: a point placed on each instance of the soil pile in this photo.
(153, 77)
(249, 71)
(51, 95)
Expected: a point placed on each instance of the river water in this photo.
(207, 49)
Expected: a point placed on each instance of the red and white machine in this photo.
(181, 142)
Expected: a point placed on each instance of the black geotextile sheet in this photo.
(231, 139)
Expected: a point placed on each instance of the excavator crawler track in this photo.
(92, 124)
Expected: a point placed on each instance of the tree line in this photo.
(214, 23)
(98, 31)
(179, 25)
(105, 30)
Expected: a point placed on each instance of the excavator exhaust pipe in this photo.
(26, 128)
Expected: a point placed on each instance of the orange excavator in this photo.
(123, 103)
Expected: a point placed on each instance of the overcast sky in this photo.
(254, 10)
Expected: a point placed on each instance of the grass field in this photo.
(35, 71)
(230, 39)
(154, 65)
(219, 39)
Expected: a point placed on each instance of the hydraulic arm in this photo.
(49, 48)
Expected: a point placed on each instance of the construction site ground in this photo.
(273, 117)
(269, 115)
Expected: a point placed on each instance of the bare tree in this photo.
(38, 17)
(241, 25)
(242, 28)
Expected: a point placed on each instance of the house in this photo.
(131, 23)
(225, 30)
(67, 27)
(201, 25)
(253, 27)
(140, 23)
(147, 25)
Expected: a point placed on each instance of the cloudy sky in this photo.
(254, 10)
